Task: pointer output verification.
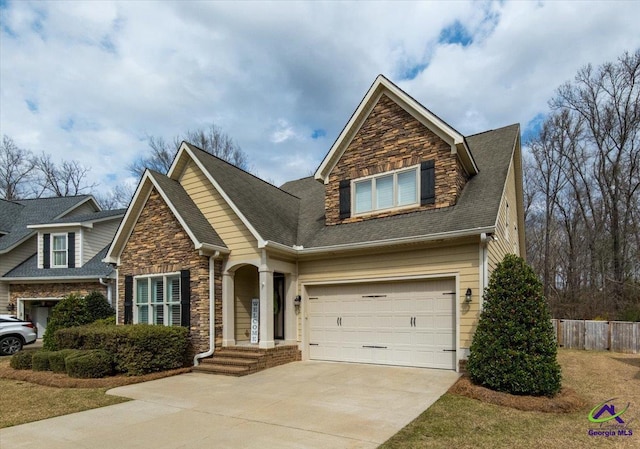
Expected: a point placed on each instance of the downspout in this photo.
(212, 312)
(484, 239)
(109, 289)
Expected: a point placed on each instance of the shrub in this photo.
(89, 364)
(514, 349)
(40, 361)
(137, 349)
(110, 321)
(22, 360)
(75, 310)
(57, 359)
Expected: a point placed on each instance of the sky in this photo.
(91, 81)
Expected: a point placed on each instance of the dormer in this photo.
(394, 156)
(73, 241)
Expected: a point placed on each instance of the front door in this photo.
(278, 306)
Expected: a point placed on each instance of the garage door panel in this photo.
(400, 323)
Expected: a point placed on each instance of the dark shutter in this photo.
(427, 182)
(71, 250)
(345, 198)
(128, 299)
(185, 298)
(46, 250)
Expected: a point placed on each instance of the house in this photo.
(380, 257)
(51, 247)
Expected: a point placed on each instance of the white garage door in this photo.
(391, 323)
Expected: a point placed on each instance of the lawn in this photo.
(457, 421)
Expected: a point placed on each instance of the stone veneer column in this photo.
(266, 308)
(228, 300)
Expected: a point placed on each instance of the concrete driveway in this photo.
(298, 405)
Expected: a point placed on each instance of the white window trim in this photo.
(53, 251)
(395, 174)
(148, 277)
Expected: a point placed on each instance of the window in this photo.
(386, 191)
(59, 250)
(158, 300)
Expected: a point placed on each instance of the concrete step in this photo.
(238, 354)
(228, 361)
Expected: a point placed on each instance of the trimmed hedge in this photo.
(138, 349)
(40, 361)
(22, 360)
(91, 364)
(57, 359)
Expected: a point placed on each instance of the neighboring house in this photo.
(50, 247)
(380, 257)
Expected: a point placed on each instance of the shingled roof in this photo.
(17, 215)
(272, 212)
(93, 269)
(476, 208)
(187, 209)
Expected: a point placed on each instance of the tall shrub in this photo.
(75, 310)
(514, 348)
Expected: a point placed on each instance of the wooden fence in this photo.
(615, 336)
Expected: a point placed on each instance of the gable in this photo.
(237, 237)
(390, 139)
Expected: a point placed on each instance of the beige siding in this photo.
(223, 219)
(462, 259)
(94, 240)
(245, 288)
(4, 296)
(507, 237)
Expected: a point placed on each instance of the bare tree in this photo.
(117, 198)
(16, 167)
(67, 178)
(212, 140)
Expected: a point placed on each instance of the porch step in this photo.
(243, 360)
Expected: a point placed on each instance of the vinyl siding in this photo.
(86, 208)
(223, 219)
(94, 240)
(507, 240)
(245, 289)
(461, 259)
(11, 260)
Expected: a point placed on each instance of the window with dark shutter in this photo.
(345, 198)
(427, 182)
(46, 250)
(128, 299)
(71, 250)
(185, 298)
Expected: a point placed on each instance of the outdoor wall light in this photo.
(11, 307)
(467, 295)
(297, 300)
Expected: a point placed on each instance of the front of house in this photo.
(380, 257)
(50, 248)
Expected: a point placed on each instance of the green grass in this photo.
(460, 422)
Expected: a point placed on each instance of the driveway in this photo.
(298, 405)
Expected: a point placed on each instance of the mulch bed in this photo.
(49, 379)
(566, 401)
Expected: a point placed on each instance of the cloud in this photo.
(281, 78)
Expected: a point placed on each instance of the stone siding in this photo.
(54, 290)
(158, 245)
(390, 139)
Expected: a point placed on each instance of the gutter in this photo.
(51, 278)
(212, 312)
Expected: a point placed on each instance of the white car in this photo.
(15, 333)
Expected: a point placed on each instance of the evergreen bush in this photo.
(22, 360)
(57, 359)
(75, 310)
(40, 361)
(514, 348)
(92, 364)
